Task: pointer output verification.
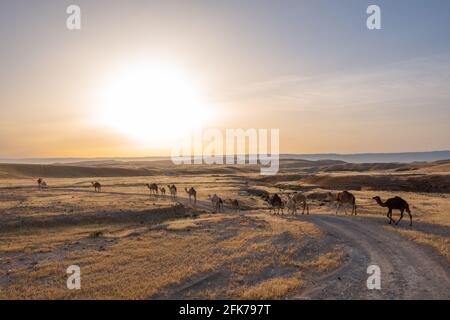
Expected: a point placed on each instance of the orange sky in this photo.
(326, 90)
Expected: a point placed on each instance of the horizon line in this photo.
(223, 155)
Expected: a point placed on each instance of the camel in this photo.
(41, 183)
(343, 198)
(153, 187)
(173, 191)
(217, 202)
(276, 203)
(163, 191)
(299, 198)
(234, 204)
(97, 186)
(192, 193)
(395, 203)
(291, 206)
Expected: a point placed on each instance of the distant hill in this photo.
(401, 157)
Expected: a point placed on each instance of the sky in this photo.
(309, 68)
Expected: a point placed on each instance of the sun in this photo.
(155, 104)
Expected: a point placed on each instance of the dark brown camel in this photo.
(153, 187)
(97, 186)
(275, 203)
(395, 203)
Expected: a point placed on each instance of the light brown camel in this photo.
(163, 191)
(97, 186)
(395, 203)
(343, 198)
(153, 187)
(173, 191)
(300, 198)
(216, 202)
(291, 206)
(192, 193)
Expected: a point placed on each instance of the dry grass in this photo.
(181, 225)
(138, 262)
(440, 244)
(326, 262)
(276, 288)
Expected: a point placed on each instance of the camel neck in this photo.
(381, 203)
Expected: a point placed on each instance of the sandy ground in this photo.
(131, 245)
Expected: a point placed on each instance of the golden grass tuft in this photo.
(275, 288)
(326, 262)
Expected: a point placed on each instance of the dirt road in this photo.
(408, 270)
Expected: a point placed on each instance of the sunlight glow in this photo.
(154, 104)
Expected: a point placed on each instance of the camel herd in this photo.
(275, 202)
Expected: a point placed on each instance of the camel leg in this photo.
(389, 215)
(401, 216)
(410, 218)
(307, 209)
(337, 208)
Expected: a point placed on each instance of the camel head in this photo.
(377, 199)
